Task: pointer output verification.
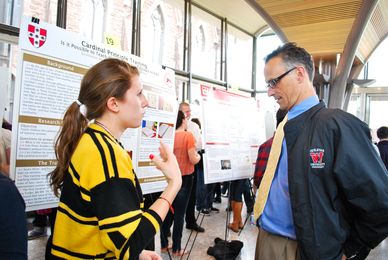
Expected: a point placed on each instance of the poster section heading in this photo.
(228, 120)
(49, 82)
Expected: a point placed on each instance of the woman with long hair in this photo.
(184, 150)
(100, 213)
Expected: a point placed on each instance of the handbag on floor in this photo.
(224, 250)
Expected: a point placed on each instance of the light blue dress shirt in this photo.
(277, 215)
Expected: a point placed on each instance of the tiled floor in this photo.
(215, 227)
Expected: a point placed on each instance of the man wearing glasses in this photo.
(328, 190)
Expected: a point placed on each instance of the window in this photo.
(376, 66)
(240, 49)
(10, 12)
(200, 40)
(94, 17)
(206, 44)
(162, 32)
(157, 35)
(265, 45)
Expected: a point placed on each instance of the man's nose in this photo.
(271, 92)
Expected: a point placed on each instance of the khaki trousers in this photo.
(275, 247)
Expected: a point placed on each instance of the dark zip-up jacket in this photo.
(338, 184)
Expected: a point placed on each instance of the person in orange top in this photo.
(184, 150)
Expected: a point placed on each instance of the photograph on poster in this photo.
(225, 165)
(149, 129)
(160, 102)
(166, 130)
(152, 99)
(167, 104)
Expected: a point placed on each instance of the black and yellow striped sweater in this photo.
(100, 214)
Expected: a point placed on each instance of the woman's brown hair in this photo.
(179, 119)
(108, 78)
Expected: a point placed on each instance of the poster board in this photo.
(51, 65)
(233, 129)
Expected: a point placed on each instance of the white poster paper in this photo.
(232, 130)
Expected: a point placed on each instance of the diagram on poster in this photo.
(232, 129)
(51, 65)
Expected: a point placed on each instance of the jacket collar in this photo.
(294, 125)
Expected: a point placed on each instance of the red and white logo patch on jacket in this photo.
(316, 155)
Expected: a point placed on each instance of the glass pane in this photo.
(93, 20)
(354, 106)
(206, 44)
(87, 24)
(179, 88)
(90, 18)
(162, 32)
(265, 45)
(377, 107)
(98, 23)
(8, 61)
(377, 66)
(157, 35)
(43, 10)
(195, 103)
(240, 50)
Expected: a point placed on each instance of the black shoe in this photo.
(198, 229)
(229, 208)
(214, 210)
(217, 200)
(205, 212)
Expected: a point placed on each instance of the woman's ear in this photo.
(112, 105)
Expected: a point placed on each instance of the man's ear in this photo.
(302, 73)
(112, 104)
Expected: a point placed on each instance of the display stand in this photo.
(253, 199)
(189, 238)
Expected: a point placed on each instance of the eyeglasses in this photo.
(272, 83)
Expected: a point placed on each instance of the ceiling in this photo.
(321, 27)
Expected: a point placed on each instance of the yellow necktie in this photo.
(269, 173)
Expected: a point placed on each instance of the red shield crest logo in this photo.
(36, 35)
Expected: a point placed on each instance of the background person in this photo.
(382, 134)
(193, 128)
(100, 213)
(204, 191)
(236, 190)
(13, 221)
(184, 150)
(263, 153)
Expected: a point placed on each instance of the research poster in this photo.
(232, 131)
(51, 65)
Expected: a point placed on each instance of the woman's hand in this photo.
(169, 165)
(149, 255)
